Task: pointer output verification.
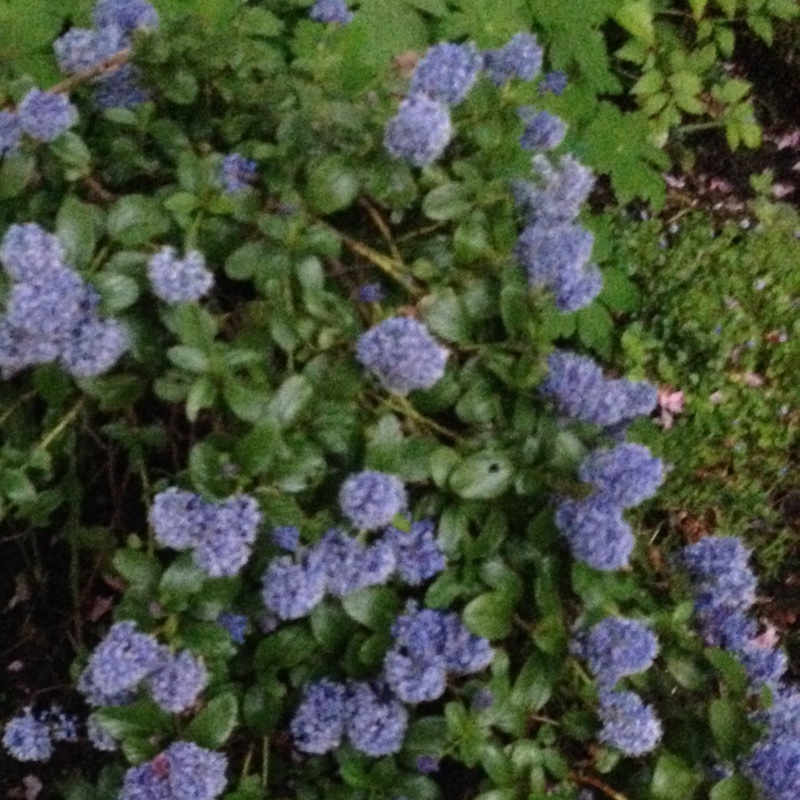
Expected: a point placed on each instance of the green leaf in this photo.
(637, 18)
(734, 788)
(247, 261)
(192, 359)
(117, 291)
(674, 779)
(482, 476)
(728, 724)
(212, 727)
(290, 400)
(76, 227)
(374, 607)
(445, 315)
(140, 570)
(136, 219)
(142, 719)
(450, 201)
(15, 173)
(182, 579)
(490, 615)
(332, 185)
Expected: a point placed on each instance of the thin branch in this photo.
(590, 780)
(106, 65)
(381, 225)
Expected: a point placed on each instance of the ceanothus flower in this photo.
(520, 58)
(237, 173)
(176, 280)
(628, 724)
(416, 552)
(616, 647)
(10, 133)
(83, 48)
(626, 475)
(402, 355)
(100, 738)
(554, 83)
(287, 537)
(122, 660)
(63, 726)
(119, 89)
(291, 590)
(235, 624)
(375, 721)
(184, 771)
(348, 565)
(27, 738)
(420, 131)
(415, 679)
(765, 666)
(177, 682)
(595, 532)
(30, 253)
(94, 347)
(226, 540)
(127, 15)
(331, 11)
(371, 500)
(178, 518)
(774, 766)
(318, 725)
(446, 72)
(715, 557)
(46, 116)
(543, 130)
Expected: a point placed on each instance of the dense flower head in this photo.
(46, 116)
(127, 15)
(415, 679)
(715, 557)
(178, 518)
(578, 385)
(725, 627)
(287, 537)
(177, 682)
(63, 726)
(235, 624)
(520, 58)
(348, 565)
(616, 647)
(176, 280)
(595, 532)
(774, 766)
(27, 738)
(543, 130)
(49, 306)
(376, 721)
(553, 82)
(122, 660)
(331, 11)
(237, 172)
(184, 771)
(765, 666)
(29, 253)
(100, 738)
(319, 723)
(627, 474)
(371, 500)
(416, 552)
(447, 72)
(120, 88)
(10, 133)
(556, 194)
(420, 131)
(402, 355)
(628, 724)
(291, 590)
(94, 346)
(555, 257)
(82, 48)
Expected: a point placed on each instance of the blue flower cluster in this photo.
(422, 128)
(428, 645)
(27, 738)
(625, 475)
(402, 355)
(582, 392)
(595, 532)
(83, 48)
(237, 173)
(628, 724)
(51, 313)
(235, 624)
(176, 280)
(371, 500)
(100, 738)
(614, 648)
(543, 130)
(367, 714)
(331, 11)
(127, 658)
(42, 115)
(417, 555)
(287, 537)
(183, 771)
(553, 83)
(220, 535)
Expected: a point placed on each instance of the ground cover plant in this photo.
(297, 357)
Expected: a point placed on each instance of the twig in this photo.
(381, 225)
(63, 423)
(590, 780)
(14, 406)
(106, 65)
(403, 406)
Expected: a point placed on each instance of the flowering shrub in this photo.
(378, 526)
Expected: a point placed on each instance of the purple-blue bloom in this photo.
(291, 590)
(349, 565)
(447, 72)
(595, 532)
(417, 554)
(371, 500)
(127, 15)
(520, 58)
(774, 766)
(402, 355)
(82, 48)
(626, 475)
(30, 253)
(370, 293)
(554, 83)
(94, 346)
(287, 537)
(715, 557)
(543, 130)
(376, 721)
(46, 116)
(10, 133)
(100, 738)
(178, 518)
(119, 89)
(628, 724)
(413, 678)
(237, 173)
(177, 682)
(616, 647)
(331, 11)
(235, 624)
(27, 738)
(420, 131)
(319, 723)
(427, 765)
(177, 280)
